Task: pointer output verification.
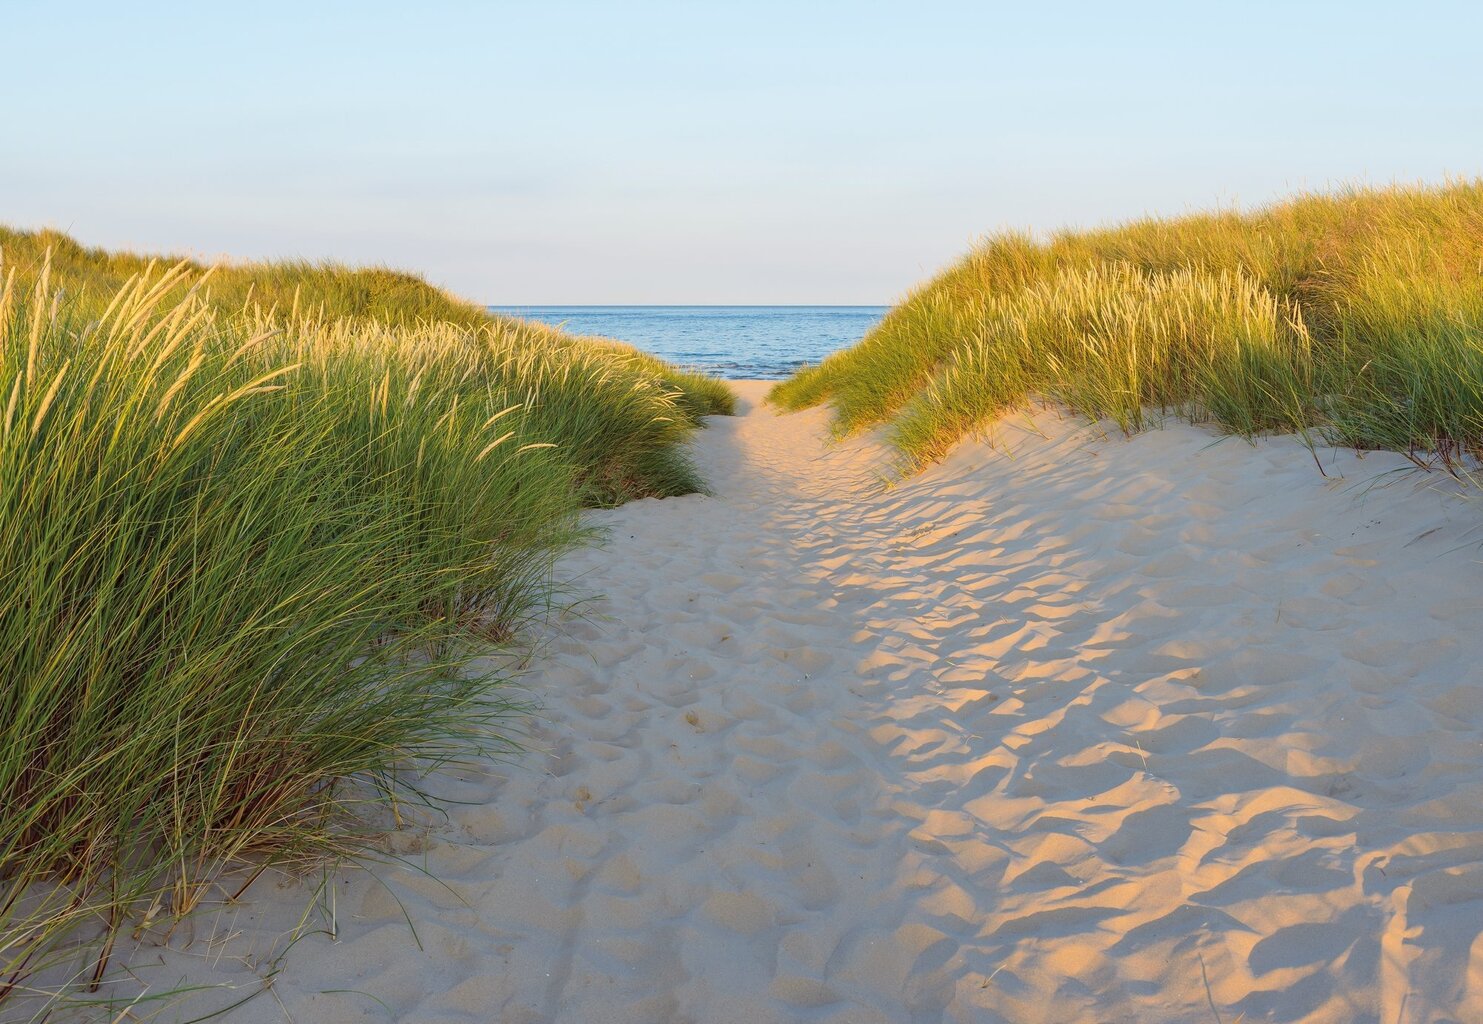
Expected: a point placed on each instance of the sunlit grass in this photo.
(1357, 314)
(249, 552)
(92, 276)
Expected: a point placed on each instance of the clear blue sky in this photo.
(552, 152)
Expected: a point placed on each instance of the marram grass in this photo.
(1355, 317)
(89, 277)
(93, 276)
(249, 553)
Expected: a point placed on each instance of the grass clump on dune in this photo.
(249, 554)
(1114, 341)
(326, 292)
(92, 276)
(1357, 314)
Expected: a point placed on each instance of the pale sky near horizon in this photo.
(565, 153)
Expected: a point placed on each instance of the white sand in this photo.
(1112, 730)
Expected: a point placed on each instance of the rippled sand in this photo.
(1157, 729)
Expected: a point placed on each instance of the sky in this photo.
(550, 152)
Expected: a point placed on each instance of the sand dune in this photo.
(1093, 729)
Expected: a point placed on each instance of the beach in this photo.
(1072, 726)
(741, 514)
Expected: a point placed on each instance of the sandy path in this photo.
(1146, 730)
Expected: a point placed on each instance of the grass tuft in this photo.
(252, 546)
(1357, 315)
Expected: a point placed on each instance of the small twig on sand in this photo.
(1209, 998)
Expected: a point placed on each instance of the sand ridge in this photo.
(1073, 729)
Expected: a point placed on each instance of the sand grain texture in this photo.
(1148, 729)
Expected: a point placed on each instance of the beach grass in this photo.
(1354, 316)
(252, 545)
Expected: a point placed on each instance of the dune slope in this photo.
(1149, 729)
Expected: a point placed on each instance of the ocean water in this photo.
(739, 342)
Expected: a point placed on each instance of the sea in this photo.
(736, 342)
